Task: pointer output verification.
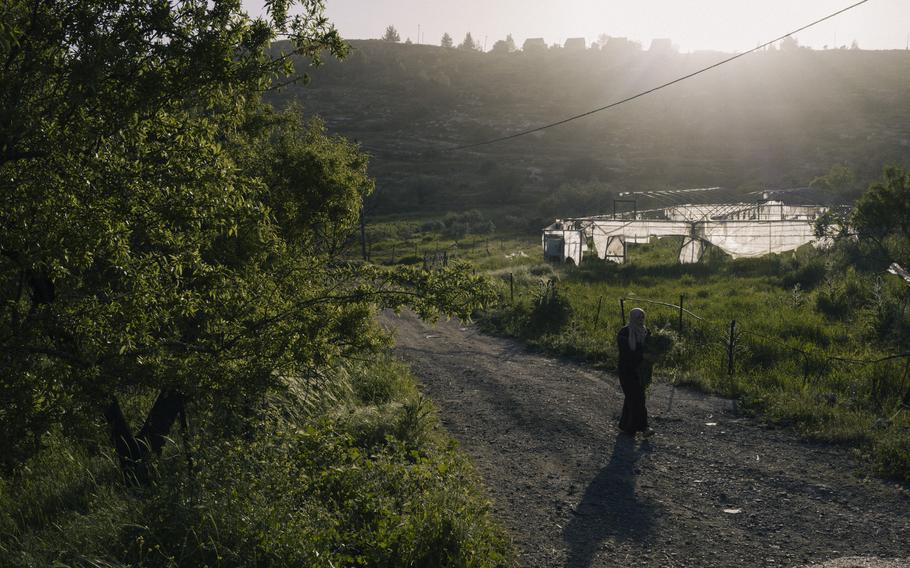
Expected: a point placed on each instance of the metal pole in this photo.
(622, 311)
(511, 288)
(730, 347)
(597, 314)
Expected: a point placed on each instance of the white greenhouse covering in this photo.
(738, 229)
(562, 244)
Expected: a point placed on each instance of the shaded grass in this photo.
(372, 482)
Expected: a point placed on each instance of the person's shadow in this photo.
(609, 508)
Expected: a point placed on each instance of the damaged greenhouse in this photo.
(739, 229)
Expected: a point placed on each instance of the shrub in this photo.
(549, 312)
(807, 275)
(359, 486)
(891, 454)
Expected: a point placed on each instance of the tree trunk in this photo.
(133, 450)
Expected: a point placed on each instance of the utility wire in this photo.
(659, 87)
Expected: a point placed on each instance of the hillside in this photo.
(776, 118)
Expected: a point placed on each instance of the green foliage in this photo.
(794, 313)
(892, 453)
(882, 215)
(839, 183)
(700, 140)
(549, 311)
(289, 490)
(160, 228)
(576, 199)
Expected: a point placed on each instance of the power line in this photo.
(659, 87)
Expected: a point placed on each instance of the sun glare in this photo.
(691, 25)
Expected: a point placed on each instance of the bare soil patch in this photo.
(712, 488)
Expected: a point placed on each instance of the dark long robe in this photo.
(634, 414)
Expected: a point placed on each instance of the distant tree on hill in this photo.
(391, 34)
(839, 183)
(407, 41)
(504, 45)
(854, 45)
(468, 43)
(446, 40)
(789, 43)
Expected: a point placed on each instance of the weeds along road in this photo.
(712, 488)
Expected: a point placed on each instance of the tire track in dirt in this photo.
(572, 492)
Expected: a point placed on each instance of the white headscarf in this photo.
(637, 329)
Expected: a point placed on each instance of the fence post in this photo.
(445, 258)
(730, 344)
(622, 311)
(511, 288)
(393, 254)
(597, 314)
(681, 296)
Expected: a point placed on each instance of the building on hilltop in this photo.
(534, 44)
(661, 45)
(576, 44)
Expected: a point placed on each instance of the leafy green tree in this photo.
(881, 216)
(391, 34)
(164, 232)
(446, 40)
(839, 183)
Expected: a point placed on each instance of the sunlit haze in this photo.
(725, 25)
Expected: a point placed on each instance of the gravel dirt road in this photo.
(712, 488)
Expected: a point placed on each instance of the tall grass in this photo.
(793, 313)
(368, 480)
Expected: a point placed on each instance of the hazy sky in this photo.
(728, 25)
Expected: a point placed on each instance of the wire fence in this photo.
(433, 255)
(735, 350)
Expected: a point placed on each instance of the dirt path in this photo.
(711, 489)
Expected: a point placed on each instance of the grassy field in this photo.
(803, 347)
(353, 472)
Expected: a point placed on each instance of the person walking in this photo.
(632, 341)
